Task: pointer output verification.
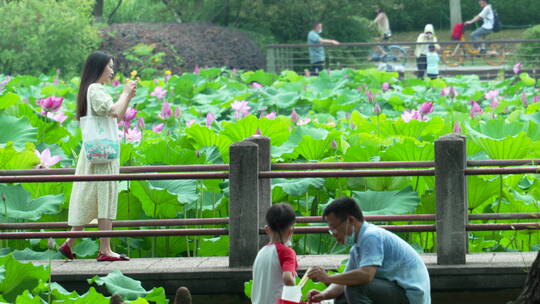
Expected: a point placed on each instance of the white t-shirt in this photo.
(487, 17)
(270, 263)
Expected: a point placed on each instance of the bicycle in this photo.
(391, 54)
(454, 55)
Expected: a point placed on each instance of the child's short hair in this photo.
(280, 217)
(431, 47)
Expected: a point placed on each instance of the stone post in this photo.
(243, 204)
(271, 55)
(265, 184)
(451, 198)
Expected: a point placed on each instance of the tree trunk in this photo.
(455, 13)
(98, 10)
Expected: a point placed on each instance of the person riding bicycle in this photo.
(487, 16)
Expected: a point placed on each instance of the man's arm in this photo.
(473, 20)
(360, 276)
(329, 41)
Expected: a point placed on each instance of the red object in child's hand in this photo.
(289, 302)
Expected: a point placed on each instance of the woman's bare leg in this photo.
(105, 243)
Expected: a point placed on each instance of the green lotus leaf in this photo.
(29, 254)
(19, 204)
(167, 153)
(205, 137)
(297, 187)
(409, 150)
(218, 246)
(283, 100)
(86, 247)
(20, 131)
(314, 149)
(387, 183)
(49, 131)
(515, 147)
(479, 190)
(276, 129)
(27, 298)
(185, 190)
(8, 99)
(387, 202)
(19, 277)
(11, 159)
(126, 287)
(156, 203)
(259, 76)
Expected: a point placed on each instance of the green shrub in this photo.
(37, 36)
(529, 53)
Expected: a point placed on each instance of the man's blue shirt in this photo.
(316, 53)
(396, 261)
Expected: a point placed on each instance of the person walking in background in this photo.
(275, 264)
(316, 53)
(383, 25)
(91, 200)
(421, 50)
(382, 267)
(486, 15)
(432, 58)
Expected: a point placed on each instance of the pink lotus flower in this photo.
(334, 144)
(457, 127)
(46, 160)
(475, 109)
(56, 81)
(210, 119)
(140, 123)
(536, 99)
(517, 68)
(51, 104)
(377, 109)
(450, 92)
(190, 122)
(270, 116)
(166, 111)
(370, 96)
(241, 108)
(524, 99)
(294, 116)
(492, 94)
(426, 108)
(256, 85)
(234, 71)
(258, 132)
(177, 112)
(197, 70)
(158, 128)
(133, 134)
(130, 114)
(304, 121)
(409, 115)
(60, 117)
(385, 86)
(159, 93)
(115, 83)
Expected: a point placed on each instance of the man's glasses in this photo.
(333, 231)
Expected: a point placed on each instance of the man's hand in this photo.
(319, 274)
(315, 296)
(468, 22)
(334, 42)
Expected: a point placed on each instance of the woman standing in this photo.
(91, 200)
(427, 37)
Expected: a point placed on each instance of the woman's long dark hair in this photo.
(93, 68)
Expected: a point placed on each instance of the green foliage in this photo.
(530, 52)
(144, 58)
(128, 288)
(42, 35)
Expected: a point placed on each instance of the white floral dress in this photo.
(91, 200)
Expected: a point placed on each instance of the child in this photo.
(432, 69)
(275, 264)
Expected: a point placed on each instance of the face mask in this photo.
(319, 31)
(350, 239)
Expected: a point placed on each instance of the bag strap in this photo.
(88, 103)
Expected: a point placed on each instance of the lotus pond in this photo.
(343, 115)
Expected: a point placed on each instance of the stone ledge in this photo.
(211, 275)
